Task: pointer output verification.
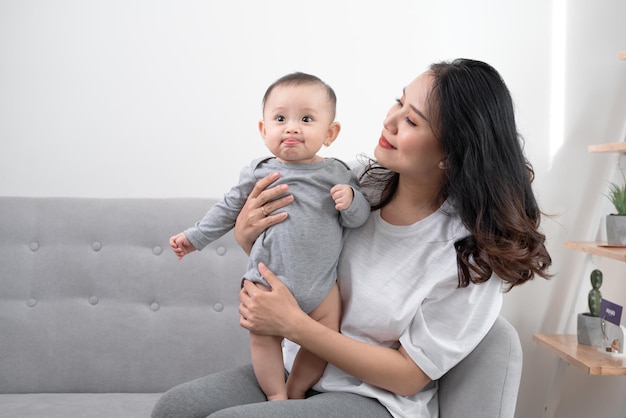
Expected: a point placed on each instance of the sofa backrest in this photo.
(92, 299)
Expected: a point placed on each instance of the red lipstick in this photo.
(383, 143)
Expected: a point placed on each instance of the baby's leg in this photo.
(307, 367)
(267, 361)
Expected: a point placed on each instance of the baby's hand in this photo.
(181, 245)
(343, 195)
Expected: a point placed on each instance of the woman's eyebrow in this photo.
(415, 109)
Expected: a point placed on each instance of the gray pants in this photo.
(235, 393)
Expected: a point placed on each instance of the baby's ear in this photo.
(333, 132)
(262, 128)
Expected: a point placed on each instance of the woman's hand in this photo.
(255, 216)
(268, 312)
(276, 312)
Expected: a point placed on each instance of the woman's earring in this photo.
(442, 164)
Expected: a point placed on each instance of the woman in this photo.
(454, 222)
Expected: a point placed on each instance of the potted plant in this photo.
(616, 223)
(589, 328)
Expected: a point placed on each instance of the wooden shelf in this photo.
(598, 248)
(613, 147)
(566, 347)
(585, 357)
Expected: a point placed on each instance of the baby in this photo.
(298, 119)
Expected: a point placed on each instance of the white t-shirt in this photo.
(399, 285)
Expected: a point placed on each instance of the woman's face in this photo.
(408, 145)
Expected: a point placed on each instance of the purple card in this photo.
(610, 311)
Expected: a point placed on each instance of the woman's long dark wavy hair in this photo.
(488, 178)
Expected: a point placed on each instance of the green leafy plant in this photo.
(617, 196)
(595, 296)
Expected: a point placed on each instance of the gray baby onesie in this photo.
(304, 249)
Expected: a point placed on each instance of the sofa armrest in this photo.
(486, 382)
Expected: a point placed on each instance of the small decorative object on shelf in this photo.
(589, 329)
(612, 330)
(616, 223)
(594, 298)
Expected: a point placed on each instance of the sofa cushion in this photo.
(72, 405)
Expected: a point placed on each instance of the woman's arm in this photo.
(252, 220)
(277, 313)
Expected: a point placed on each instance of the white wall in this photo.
(143, 98)
(572, 188)
(162, 98)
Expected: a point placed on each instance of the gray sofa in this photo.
(98, 317)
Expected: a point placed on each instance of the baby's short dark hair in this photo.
(298, 79)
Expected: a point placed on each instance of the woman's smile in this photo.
(384, 143)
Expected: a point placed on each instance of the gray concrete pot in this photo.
(616, 230)
(589, 329)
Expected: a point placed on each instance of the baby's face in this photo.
(297, 121)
